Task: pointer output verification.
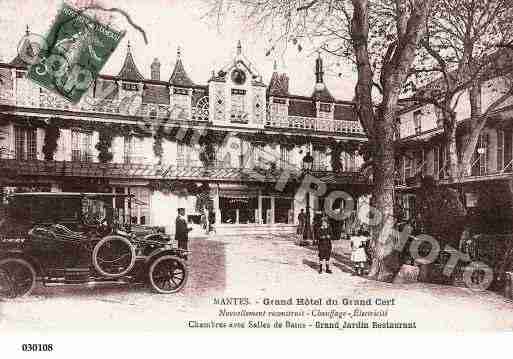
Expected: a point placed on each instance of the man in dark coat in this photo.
(181, 229)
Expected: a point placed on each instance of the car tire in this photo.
(105, 241)
(164, 264)
(24, 269)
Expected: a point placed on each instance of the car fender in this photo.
(165, 251)
(19, 253)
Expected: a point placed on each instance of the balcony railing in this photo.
(48, 100)
(316, 124)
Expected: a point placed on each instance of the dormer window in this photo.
(325, 111)
(325, 107)
(129, 86)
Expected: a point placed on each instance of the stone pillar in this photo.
(272, 210)
(237, 216)
(217, 210)
(259, 211)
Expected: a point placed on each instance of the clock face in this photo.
(238, 76)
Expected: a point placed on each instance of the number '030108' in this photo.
(37, 347)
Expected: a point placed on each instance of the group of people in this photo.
(323, 235)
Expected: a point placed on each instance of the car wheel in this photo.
(168, 274)
(113, 256)
(18, 277)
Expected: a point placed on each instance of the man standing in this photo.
(301, 222)
(181, 229)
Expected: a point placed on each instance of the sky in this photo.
(169, 24)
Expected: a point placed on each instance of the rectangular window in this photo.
(500, 150)
(439, 116)
(417, 116)
(436, 165)
(319, 163)
(258, 152)
(279, 114)
(141, 206)
(442, 162)
(187, 156)
(238, 113)
(325, 111)
(284, 157)
(132, 150)
(25, 143)
(508, 148)
(480, 159)
(407, 167)
(81, 146)
(182, 104)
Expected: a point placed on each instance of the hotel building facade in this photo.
(172, 142)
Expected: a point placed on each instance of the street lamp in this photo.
(307, 167)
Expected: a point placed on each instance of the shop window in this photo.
(283, 210)
(238, 209)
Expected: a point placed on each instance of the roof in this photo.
(179, 77)
(321, 93)
(129, 70)
(18, 62)
(69, 194)
(279, 85)
(302, 108)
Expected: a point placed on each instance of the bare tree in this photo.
(381, 39)
(464, 47)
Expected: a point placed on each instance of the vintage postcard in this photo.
(306, 166)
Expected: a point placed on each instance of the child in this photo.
(358, 255)
(324, 245)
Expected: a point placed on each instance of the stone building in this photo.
(421, 150)
(173, 142)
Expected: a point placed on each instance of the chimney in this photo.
(155, 69)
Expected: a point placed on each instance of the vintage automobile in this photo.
(82, 238)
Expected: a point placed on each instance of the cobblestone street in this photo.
(256, 267)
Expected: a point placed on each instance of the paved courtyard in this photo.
(254, 267)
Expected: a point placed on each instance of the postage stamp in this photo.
(77, 47)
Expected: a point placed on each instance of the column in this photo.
(237, 216)
(217, 210)
(259, 210)
(272, 209)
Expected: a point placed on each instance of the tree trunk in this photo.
(452, 150)
(385, 263)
